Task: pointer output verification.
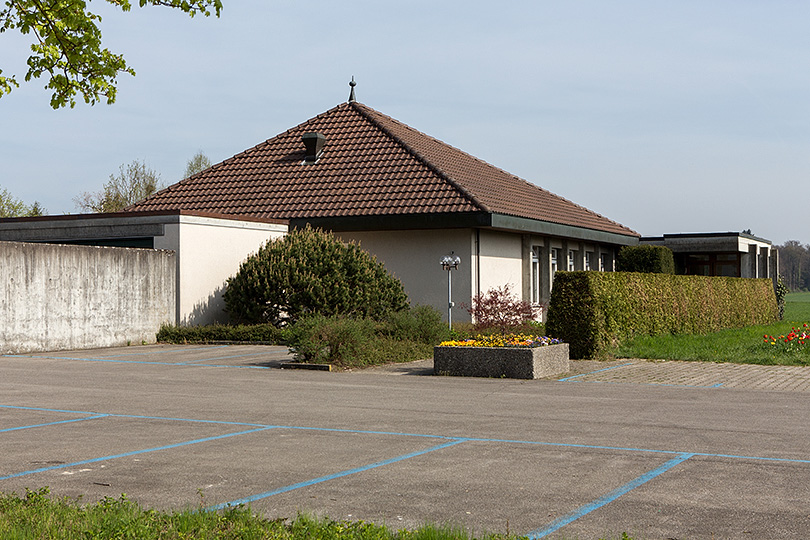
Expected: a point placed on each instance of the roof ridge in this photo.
(436, 170)
(482, 162)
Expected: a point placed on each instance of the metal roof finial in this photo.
(352, 99)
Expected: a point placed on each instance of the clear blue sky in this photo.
(670, 116)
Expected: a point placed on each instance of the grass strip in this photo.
(740, 345)
(37, 515)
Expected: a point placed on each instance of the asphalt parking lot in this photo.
(660, 450)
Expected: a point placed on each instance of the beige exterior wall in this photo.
(413, 257)
(501, 261)
(209, 251)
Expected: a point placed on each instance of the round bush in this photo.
(310, 271)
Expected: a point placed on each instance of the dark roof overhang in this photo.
(453, 220)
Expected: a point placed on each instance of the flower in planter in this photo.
(504, 340)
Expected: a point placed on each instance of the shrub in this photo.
(646, 259)
(309, 271)
(422, 324)
(347, 342)
(334, 339)
(499, 309)
(781, 291)
(594, 311)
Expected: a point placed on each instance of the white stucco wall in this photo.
(413, 257)
(501, 261)
(209, 251)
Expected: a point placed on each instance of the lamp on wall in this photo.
(450, 262)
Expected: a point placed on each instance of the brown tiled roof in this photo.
(371, 165)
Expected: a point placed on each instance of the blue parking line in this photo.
(196, 362)
(425, 435)
(664, 385)
(592, 372)
(607, 498)
(55, 423)
(200, 348)
(341, 474)
(113, 360)
(43, 409)
(133, 453)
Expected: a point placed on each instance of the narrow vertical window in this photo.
(603, 262)
(535, 277)
(553, 263)
(570, 260)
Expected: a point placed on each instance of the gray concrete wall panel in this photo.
(58, 297)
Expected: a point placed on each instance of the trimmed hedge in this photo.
(257, 333)
(652, 259)
(595, 311)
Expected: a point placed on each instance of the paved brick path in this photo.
(693, 374)
(660, 372)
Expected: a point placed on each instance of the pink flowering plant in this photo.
(503, 340)
(797, 340)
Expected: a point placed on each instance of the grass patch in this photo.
(36, 515)
(738, 345)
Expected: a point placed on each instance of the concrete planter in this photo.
(512, 363)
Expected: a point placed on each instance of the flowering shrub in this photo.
(503, 340)
(500, 309)
(793, 341)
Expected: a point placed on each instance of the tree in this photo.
(12, 207)
(198, 163)
(67, 46)
(133, 183)
(311, 272)
(794, 265)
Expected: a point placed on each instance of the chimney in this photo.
(314, 143)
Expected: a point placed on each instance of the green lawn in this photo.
(36, 516)
(741, 345)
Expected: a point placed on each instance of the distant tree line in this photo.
(134, 182)
(794, 265)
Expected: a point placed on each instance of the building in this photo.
(409, 199)
(406, 197)
(208, 247)
(720, 254)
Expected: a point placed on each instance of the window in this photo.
(535, 277)
(603, 262)
(570, 260)
(588, 256)
(553, 264)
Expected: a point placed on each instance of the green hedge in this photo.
(255, 333)
(653, 259)
(595, 311)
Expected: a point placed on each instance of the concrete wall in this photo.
(58, 297)
(209, 251)
(413, 257)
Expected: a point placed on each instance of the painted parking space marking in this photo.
(566, 379)
(676, 457)
(133, 453)
(608, 497)
(326, 478)
(114, 360)
(72, 420)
